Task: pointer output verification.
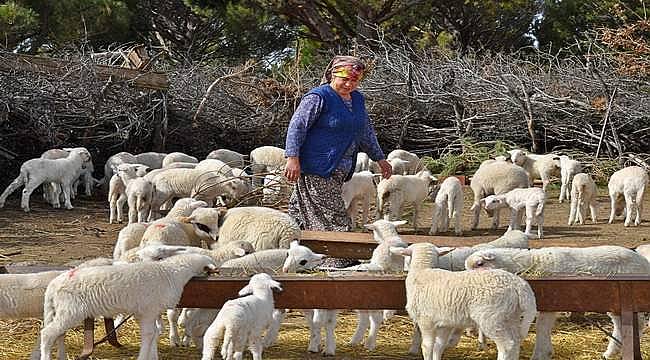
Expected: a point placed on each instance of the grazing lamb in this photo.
(360, 188)
(230, 157)
(568, 169)
(448, 205)
(242, 321)
(410, 161)
(537, 166)
(598, 260)
(201, 226)
(131, 235)
(584, 194)
(35, 172)
(499, 303)
(79, 294)
(178, 157)
(265, 228)
(404, 189)
(531, 199)
(627, 184)
(493, 179)
(294, 259)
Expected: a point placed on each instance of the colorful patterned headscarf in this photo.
(344, 66)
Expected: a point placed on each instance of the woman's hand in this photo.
(292, 169)
(386, 168)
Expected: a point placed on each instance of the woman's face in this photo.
(344, 86)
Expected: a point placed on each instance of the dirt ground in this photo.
(57, 236)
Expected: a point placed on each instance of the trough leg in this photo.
(89, 339)
(630, 336)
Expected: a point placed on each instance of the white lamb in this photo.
(568, 169)
(531, 199)
(399, 166)
(215, 165)
(603, 260)
(537, 166)
(35, 172)
(131, 235)
(202, 226)
(86, 173)
(362, 163)
(117, 188)
(360, 188)
(627, 185)
(500, 304)
(230, 157)
(241, 322)
(400, 190)
(138, 191)
(493, 179)
(411, 162)
(111, 164)
(448, 205)
(79, 294)
(265, 228)
(584, 193)
(266, 159)
(178, 157)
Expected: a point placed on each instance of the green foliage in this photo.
(467, 161)
(16, 20)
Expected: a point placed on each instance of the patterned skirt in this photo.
(317, 204)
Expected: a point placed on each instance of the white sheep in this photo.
(537, 166)
(400, 190)
(215, 165)
(492, 179)
(178, 157)
(584, 193)
(131, 235)
(86, 173)
(399, 166)
(21, 296)
(627, 185)
(568, 169)
(201, 226)
(500, 304)
(152, 159)
(265, 228)
(138, 191)
(84, 293)
(230, 157)
(117, 188)
(362, 162)
(360, 188)
(410, 161)
(603, 260)
(447, 205)
(531, 199)
(37, 171)
(266, 159)
(112, 162)
(242, 321)
(294, 259)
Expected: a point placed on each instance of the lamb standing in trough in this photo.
(241, 322)
(499, 303)
(79, 294)
(584, 194)
(35, 172)
(627, 185)
(531, 199)
(598, 260)
(447, 205)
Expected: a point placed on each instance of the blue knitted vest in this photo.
(332, 133)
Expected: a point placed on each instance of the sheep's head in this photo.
(483, 259)
(187, 205)
(423, 254)
(301, 258)
(261, 281)
(492, 202)
(517, 156)
(384, 229)
(205, 222)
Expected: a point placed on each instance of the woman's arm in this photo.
(303, 118)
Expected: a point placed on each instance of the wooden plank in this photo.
(557, 293)
(23, 269)
(360, 245)
(147, 80)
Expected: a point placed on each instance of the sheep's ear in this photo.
(294, 244)
(246, 290)
(445, 250)
(399, 222)
(275, 285)
(185, 219)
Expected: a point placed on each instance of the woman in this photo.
(328, 129)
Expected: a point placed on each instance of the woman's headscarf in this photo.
(343, 66)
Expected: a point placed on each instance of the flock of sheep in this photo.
(446, 294)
